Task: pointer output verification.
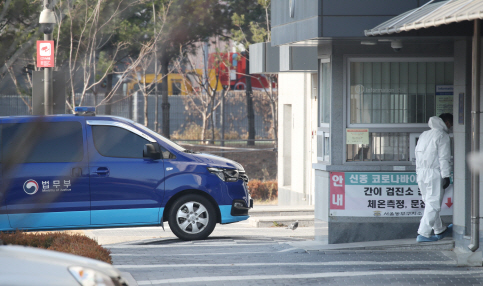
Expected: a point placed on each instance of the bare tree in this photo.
(146, 86)
(93, 54)
(259, 34)
(205, 88)
(273, 97)
(141, 64)
(89, 33)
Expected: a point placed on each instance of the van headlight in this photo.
(227, 175)
(89, 277)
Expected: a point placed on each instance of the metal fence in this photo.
(15, 105)
(185, 120)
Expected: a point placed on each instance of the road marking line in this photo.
(308, 276)
(335, 263)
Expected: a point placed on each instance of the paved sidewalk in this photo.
(304, 235)
(263, 215)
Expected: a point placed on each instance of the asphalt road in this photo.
(273, 261)
(238, 254)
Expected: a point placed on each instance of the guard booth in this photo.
(373, 98)
(365, 178)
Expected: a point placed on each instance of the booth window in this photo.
(386, 96)
(383, 146)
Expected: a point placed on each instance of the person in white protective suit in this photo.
(433, 169)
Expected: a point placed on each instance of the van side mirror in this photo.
(150, 152)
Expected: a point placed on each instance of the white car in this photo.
(21, 265)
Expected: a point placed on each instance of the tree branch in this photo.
(17, 54)
(5, 9)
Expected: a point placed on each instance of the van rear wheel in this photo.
(192, 217)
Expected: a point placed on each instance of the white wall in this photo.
(295, 152)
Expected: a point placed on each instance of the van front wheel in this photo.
(192, 217)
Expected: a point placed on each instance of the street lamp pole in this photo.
(47, 21)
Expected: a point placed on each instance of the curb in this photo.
(281, 221)
(266, 213)
(385, 245)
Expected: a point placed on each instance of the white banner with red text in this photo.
(377, 194)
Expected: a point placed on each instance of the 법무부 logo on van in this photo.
(30, 187)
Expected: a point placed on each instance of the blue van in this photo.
(75, 172)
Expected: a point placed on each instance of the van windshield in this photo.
(164, 139)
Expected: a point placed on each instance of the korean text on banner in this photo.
(337, 191)
(377, 194)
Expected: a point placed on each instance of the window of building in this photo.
(324, 93)
(112, 141)
(395, 92)
(323, 146)
(48, 142)
(387, 97)
(323, 130)
(383, 146)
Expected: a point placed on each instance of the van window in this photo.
(112, 141)
(48, 142)
(163, 139)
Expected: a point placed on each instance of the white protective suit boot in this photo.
(433, 155)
